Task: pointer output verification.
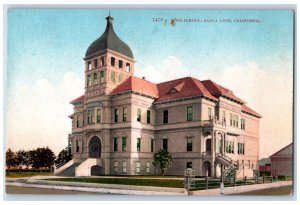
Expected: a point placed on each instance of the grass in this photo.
(127, 181)
(27, 174)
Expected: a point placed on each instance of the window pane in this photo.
(115, 144)
(112, 61)
(189, 146)
(165, 116)
(138, 144)
(189, 113)
(165, 144)
(139, 113)
(148, 116)
(123, 143)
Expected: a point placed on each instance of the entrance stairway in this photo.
(85, 168)
(231, 167)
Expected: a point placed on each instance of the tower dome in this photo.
(109, 40)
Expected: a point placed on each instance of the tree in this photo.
(42, 157)
(11, 159)
(63, 157)
(23, 158)
(164, 159)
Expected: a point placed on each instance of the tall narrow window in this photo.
(116, 115)
(116, 167)
(89, 66)
(95, 78)
(138, 144)
(189, 113)
(77, 121)
(138, 167)
(112, 61)
(98, 115)
(165, 144)
(96, 63)
(152, 145)
(242, 124)
(89, 120)
(113, 76)
(139, 115)
(77, 145)
(124, 114)
(88, 81)
(230, 119)
(224, 115)
(128, 67)
(148, 167)
(148, 116)
(92, 116)
(115, 144)
(189, 144)
(120, 64)
(101, 76)
(124, 167)
(120, 77)
(102, 61)
(165, 116)
(209, 113)
(123, 144)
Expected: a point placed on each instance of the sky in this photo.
(45, 66)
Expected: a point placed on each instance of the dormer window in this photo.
(112, 61)
(128, 67)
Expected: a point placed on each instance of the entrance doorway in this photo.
(95, 147)
(207, 168)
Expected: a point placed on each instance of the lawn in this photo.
(27, 174)
(127, 181)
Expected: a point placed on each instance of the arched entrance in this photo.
(95, 147)
(207, 168)
(96, 170)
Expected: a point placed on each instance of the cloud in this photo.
(267, 91)
(37, 114)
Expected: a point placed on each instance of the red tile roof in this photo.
(218, 90)
(185, 87)
(138, 85)
(79, 99)
(247, 109)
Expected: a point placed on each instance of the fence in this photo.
(202, 183)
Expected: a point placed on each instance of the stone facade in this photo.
(122, 121)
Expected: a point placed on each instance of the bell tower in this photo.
(108, 62)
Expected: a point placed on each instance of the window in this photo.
(89, 66)
(102, 61)
(113, 76)
(101, 76)
(242, 124)
(77, 145)
(165, 116)
(77, 121)
(230, 119)
(128, 67)
(189, 144)
(89, 116)
(241, 148)
(115, 144)
(116, 166)
(82, 145)
(96, 63)
(98, 116)
(124, 114)
(95, 78)
(112, 61)
(152, 145)
(123, 144)
(139, 115)
(209, 113)
(116, 115)
(120, 64)
(189, 113)
(224, 115)
(120, 77)
(88, 81)
(232, 147)
(138, 144)
(124, 167)
(148, 116)
(219, 146)
(165, 144)
(189, 165)
(138, 167)
(148, 167)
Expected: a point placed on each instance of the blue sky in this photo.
(45, 50)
